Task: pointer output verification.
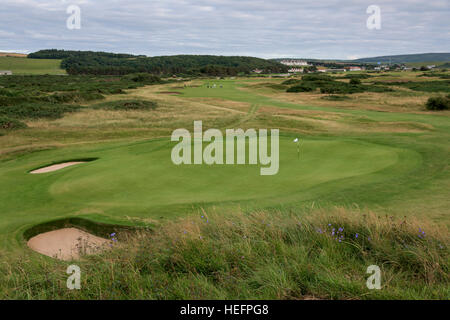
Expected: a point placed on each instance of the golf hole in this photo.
(60, 165)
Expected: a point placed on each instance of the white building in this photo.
(295, 70)
(355, 69)
(5, 73)
(293, 62)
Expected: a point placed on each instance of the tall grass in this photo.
(261, 255)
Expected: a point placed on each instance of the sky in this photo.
(323, 29)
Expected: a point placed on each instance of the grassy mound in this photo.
(263, 255)
(10, 124)
(127, 105)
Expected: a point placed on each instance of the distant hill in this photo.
(12, 54)
(407, 58)
(102, 63)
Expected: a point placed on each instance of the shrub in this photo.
(304, 87)
(10, 124)
(317, 77)
(36, 110)
(438, 103)
(357, 76)
(426, 86)
(355, 81)
(144, 77)
(291, 82)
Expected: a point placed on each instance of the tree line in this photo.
(103, 63)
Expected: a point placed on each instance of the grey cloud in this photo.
(322, 29)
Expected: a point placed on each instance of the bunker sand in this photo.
(56, 167)
(67, 244)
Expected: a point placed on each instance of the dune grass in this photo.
(314, 254)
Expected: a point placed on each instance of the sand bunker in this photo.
(55, 167)
(67, 244)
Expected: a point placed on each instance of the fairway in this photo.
(140, 180)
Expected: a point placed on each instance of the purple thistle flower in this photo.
(356, 235)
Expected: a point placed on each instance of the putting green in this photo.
(139, 180)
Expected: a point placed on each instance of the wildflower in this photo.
(356, 235)
(113, 234)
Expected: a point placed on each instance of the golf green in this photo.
(139, 180)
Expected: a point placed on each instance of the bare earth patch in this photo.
(56, 167)
(67, 244)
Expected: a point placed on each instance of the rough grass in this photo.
(262, 255)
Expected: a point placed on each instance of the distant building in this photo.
(257, 71)
(293, 62)
(5, 73)
(355, 68)
(431, 66)
(295, 70)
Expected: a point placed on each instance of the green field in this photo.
(375, 162)
(31, 66)
(141, 180)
